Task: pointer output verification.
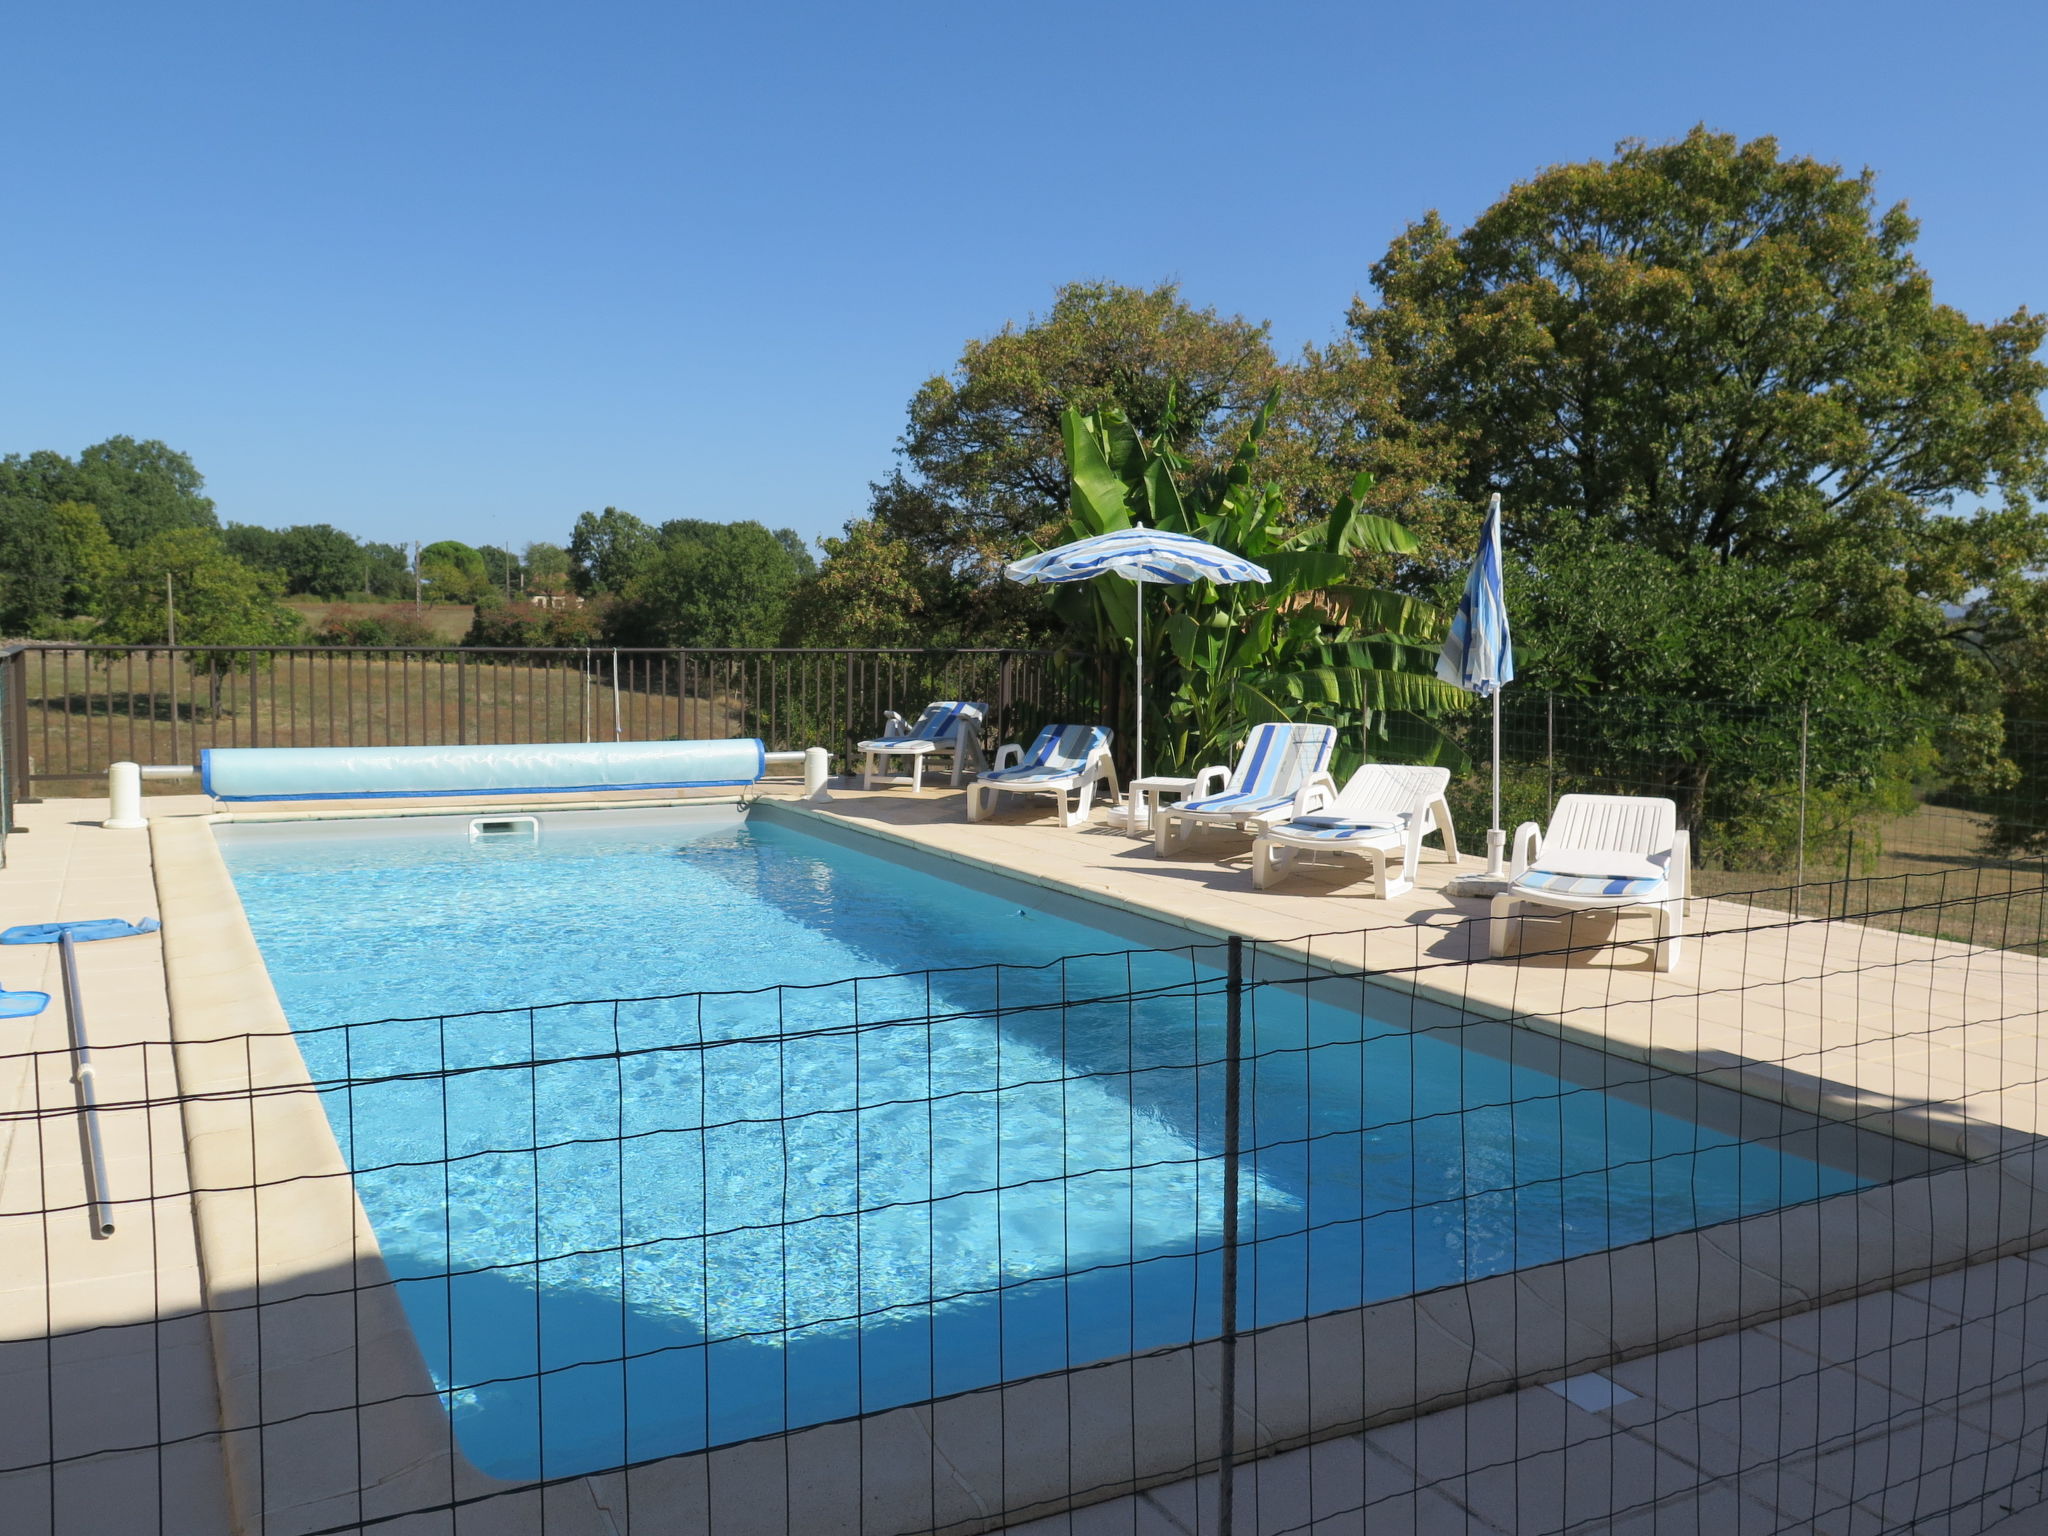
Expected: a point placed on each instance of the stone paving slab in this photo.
(101, 1342)
(1829, 1422)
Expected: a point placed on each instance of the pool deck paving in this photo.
(1809, 1422)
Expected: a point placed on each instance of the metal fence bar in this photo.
(1233, 1155)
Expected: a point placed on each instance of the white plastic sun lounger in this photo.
(1278, 758)
(1603, 853)
(947, 726)
(1064, 758)
(1381, 816)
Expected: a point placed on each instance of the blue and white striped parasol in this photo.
(1479, 656)
(1140, 555)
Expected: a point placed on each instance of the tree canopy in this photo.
(141, 489)
(983, 444)
(546, 566)
(605, 550)
(1713, 347)
(54, 558)
(454, 572)
(312, 559)
(710, 584)
(217, 600)
(1705, 355)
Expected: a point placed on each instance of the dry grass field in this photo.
(449, 621)
(1924, 873)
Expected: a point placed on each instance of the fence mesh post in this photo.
(1799, 880)
(1550, 755)
(1233, 1149)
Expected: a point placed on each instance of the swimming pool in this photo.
(624, 1230)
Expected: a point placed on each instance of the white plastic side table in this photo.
(1142, 799)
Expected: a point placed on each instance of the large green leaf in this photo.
(1302, 570)
(1375, 609)
(1163, 498)
(1337, 532)
(1252, 646)
(1098, 495)
(1376, 535)
(1123, 449)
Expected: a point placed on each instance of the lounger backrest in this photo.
(1066, 746)
(945, 720)
(1637, 824)
(1279, 757)
(1391, 787)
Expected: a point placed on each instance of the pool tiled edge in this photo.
(300, 1245)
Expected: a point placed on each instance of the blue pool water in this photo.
(627, 1230)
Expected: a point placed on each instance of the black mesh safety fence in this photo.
(1363, 1231)
(1776, 798)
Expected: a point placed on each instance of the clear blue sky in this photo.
(455, 269)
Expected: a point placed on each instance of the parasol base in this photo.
(1478, 883)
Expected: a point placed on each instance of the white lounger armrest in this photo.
(1008, 755)
(1209, 781)
(1319, 791)
(894, 725)
(1527, 845)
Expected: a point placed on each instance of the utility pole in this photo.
(170, 611)
(415, 575)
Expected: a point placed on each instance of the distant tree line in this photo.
(120, 545)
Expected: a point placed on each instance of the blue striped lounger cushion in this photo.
(1324, 830)
(1029, 775)
(1237, 803)
(1588, 885)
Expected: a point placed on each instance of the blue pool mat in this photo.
(22, 1005)
(82, 930)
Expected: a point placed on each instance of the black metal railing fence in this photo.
(82, 707)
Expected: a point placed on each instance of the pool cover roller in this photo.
(368, 773)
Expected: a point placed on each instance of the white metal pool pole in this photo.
(1496, 835)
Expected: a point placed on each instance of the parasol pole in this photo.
(1496, 838)
(1138, 751)
(1496, 834)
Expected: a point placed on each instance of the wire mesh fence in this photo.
(1357, 1232)
(1775, 798)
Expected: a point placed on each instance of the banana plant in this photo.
(1309, 645)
